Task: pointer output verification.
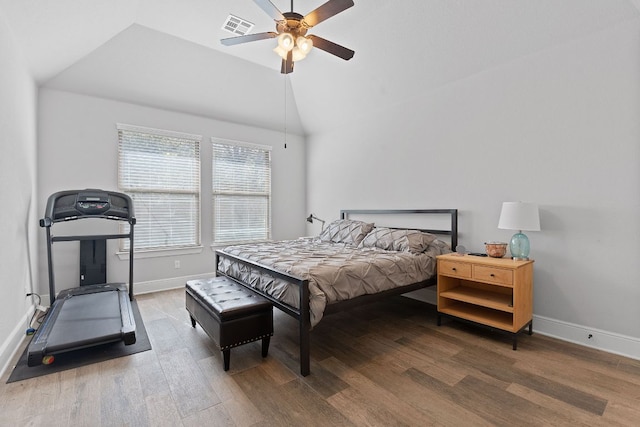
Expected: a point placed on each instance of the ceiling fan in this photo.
(291, 27)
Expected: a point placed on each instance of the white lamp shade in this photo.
(519, 216)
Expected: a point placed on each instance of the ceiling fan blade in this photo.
(332, 48)
(326, 11)
(270, 9)
(248, 38)
(287, 64)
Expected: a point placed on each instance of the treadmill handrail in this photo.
(89, 237)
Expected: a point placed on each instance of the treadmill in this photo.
(93, 314)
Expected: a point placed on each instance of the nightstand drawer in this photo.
(455, 269)
(493, 274)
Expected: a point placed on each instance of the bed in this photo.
(352, 262)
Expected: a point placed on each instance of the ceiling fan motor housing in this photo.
(293, 24)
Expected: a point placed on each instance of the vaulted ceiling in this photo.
(167, 53)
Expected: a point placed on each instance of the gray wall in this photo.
(78, 148)
(17, 192)
(560, 128)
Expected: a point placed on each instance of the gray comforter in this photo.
(336, 271)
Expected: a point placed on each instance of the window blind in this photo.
(241, 192)
(160, 170)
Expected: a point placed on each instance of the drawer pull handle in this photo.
(492, 275)
(454, 269)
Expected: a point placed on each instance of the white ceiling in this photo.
(167, 54)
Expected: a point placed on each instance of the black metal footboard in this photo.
(302, 314)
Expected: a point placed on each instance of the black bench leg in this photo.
(265, 346)
(226, 355)
(193, 321)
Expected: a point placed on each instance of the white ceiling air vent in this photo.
(236, 25)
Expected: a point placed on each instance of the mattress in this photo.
(335, 271)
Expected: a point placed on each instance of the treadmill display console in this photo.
(88, 203)
(92, 204)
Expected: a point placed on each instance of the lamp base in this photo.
(519, 247)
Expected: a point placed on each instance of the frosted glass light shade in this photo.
(297, 54)
(304, 44)
(281, 52)
(285, 41)
(298, 47)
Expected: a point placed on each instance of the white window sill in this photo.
(224, 245)
(156, 253)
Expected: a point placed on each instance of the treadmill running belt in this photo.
(84, 320)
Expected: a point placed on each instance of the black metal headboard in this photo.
(453, 215)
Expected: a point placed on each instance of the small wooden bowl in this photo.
(496, 249)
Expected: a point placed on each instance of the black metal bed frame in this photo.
(303, 313)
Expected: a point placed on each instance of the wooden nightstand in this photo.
(496, 292)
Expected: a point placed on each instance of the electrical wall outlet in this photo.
(176, 263)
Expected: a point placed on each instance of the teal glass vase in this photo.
(519, 246)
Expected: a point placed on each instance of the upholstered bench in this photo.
(229, 313)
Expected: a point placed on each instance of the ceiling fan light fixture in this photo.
(281, 52)
(304, 44)
(297, 54)
(285, 41)
(291, 29)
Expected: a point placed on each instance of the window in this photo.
(160, 171)
(241, 192)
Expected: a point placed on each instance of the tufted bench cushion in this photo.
(229, 313)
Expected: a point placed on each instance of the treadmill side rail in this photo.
(128, 321)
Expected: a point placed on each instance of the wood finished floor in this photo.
(386, 364)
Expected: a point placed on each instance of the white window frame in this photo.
(133, 191)
(244, 192)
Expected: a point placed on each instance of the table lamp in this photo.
(519, 216)
(311, 217)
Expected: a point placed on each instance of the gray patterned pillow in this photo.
(346, 231)
(413, 241)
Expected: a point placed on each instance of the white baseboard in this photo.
(565, 331)
(153, 285)
(167, 284)
(588, 337)
(12, 344)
